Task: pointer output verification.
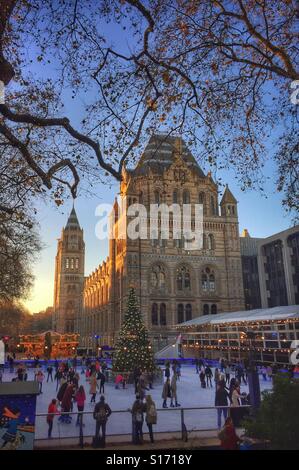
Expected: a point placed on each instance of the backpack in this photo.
(101, 415)
(152, 414)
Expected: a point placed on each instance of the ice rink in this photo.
(189, 393)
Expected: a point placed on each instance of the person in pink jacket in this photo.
(118, 379)
(80, 398)
(40, 378)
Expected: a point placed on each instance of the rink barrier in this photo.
(183, 429)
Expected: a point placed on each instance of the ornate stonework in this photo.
(172, 284)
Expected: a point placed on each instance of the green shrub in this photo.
(277, 420)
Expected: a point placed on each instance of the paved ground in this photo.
(190, 394)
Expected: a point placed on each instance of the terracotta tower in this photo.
(69, 277)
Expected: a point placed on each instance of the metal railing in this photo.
(181, 423)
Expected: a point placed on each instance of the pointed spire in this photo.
(228, 197)
(73, 221)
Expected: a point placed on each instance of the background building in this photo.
(270, 269)
(278, 264)
(251, 283)
(173, 285)
(69, 277)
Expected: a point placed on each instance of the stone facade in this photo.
(69, 277)
(172, 284)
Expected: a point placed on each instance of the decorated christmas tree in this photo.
(133, 348)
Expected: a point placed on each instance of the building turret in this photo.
(228, 204)
(69, 277)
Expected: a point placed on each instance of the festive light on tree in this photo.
(133, 348)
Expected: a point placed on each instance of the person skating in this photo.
(234, 411)
(50, 371)
(167, 370)
(101, 377)
(101, 413)
(202, 378)
(166, 393)
(58, 376)
(221, 401)
(227, 374)
(52, 411)
(40, 378)
(137, 411)
(209, 375)
(150, 416)
(173, 388)
(80, 398)
(136, 375)
(93, 388)
(67, 403)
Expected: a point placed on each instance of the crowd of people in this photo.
(73, 384)
(95, 374)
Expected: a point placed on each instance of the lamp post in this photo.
(252, 373)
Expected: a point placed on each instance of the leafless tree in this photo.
(217, 72)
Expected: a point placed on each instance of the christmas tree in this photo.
(133, 348)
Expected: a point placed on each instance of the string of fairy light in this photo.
(255, 326)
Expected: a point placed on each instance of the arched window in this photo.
(180, 313)
(158, 277)
(162, 314)
(186, 197)
(233, 210)
(179, 281)
(201, 198)
(206, 309)
(175, 197)
(212, 282)
(208, 282)
(183, 278)
(157, 197)
(67, 263)
(211, 242)
(187, 283)
(204, 281)
(204, 241)
(213, 206)
(154, 279)
(155, 314)
(214, 309)
(188, 312)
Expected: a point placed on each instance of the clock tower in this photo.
(69, 277)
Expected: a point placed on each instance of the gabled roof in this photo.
(72, 220)
(161, 152)
(228, 197)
